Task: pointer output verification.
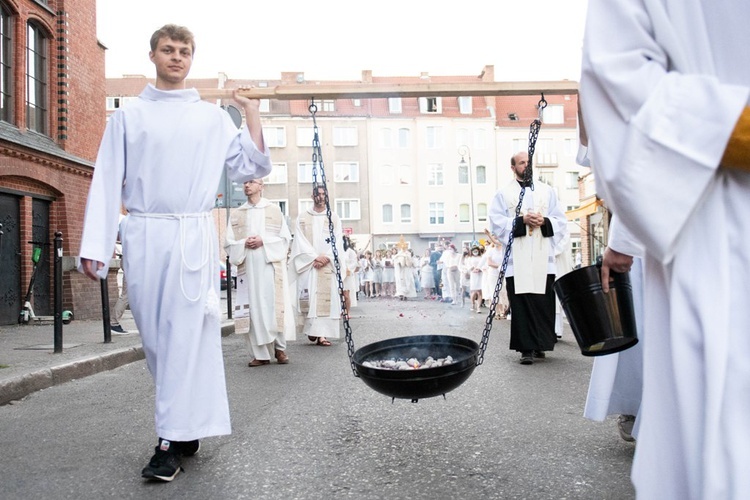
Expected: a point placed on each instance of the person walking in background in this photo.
(531, 267)
(161, 158)
(368, 274)
(665, 105)
(312, 272)
(404, 270)
(389, 273)
(122, 300)
(350, 268)
(257, 242)
(427, 275)
(377, 273)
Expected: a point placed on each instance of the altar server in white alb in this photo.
(665, 103)
(257, 241)
(162, 157)
(538, 230)
(312, 273)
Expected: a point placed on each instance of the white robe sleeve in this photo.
(276, 246)
(102, 215)
(657, 118)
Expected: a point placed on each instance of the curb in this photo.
(19, 387)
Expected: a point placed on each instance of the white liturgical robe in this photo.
(316, 291)
(262, 284)
(660, 100)
(161, 157)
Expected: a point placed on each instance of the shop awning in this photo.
(584, 210)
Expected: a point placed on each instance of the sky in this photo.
(526, 40)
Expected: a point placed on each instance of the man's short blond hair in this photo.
(172, 32)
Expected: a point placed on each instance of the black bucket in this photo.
(419, 383)
(602, 323)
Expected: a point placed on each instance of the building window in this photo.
(278, 174)
(265, 105)
(464, 105)
(344, 136)
(481, 174)
(464, 212)
(275, 137)
(305, 172)
(435, 174)
(36, 79)
(386, 138)
(113, 103)
(6, 61)
(436, 212)
(520, 145)
(404, 138)
(430, 105)
(482, 212)
(404, 174)
(394, 105)
(387, 175)
(571, 147)
(480, 139)
(283, 205)
(547, 177)
(571, 180)
(305, 136)
(348, 209)
(553, 114)
(387, 214)
(544, 153)
(356, 103)
(405, 213)
(329, 105)
(344, 171)
(434, 137)
(463, 173)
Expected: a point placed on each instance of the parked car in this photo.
(222, 275)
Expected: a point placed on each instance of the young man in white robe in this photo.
(162, 157)
(666, 109)
(531, 270)
(312, 273)
(257, 242)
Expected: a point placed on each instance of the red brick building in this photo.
(52, 99)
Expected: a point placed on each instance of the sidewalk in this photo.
(28, 362)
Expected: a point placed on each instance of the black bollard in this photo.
(58, 292)
(105, 311)
(229, 289)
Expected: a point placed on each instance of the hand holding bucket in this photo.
(603, 323)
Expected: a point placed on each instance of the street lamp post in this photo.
(465, 153)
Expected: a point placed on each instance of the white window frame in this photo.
(464, 213)
(348, 209)
(305, 136)
(465, 105)
(384, 208)
(571, 180)
(483, 179)
(405, 175)
(405, 218)
(553, 114)
(481, 212)
(304, 172)
(436, 213)
(279, 174)
(345, 171)
(387, 175)
(303, 205)
(404, 138)
(274, 137)
(283, 204)
(431, 105)
(345, 136)
(434, 137)
(386, 138)
(435, 174)
(394, 105)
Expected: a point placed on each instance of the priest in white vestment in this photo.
(257, 242)
(161, 158)
(312, 273)
(665, 104)
(540, 225)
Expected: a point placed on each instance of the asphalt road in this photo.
(311, 430)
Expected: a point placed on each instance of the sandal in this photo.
(322, 341)
(312, 339)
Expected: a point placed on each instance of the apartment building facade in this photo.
(52, 95)
(417, 169)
